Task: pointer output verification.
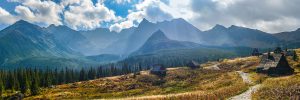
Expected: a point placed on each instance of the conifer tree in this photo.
(295, 56)
(82, 75)
(55, 77)
(91, 74)
(61, 78)
(24, 83)
(140, 67)
(1, 87)
(34, 89)
(99, 72)
(47, 78)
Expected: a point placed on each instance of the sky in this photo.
(271, 16)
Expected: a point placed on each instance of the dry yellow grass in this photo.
(180, 83)
(215, 84)
(281, 88)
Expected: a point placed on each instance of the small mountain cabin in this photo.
(255, 52)
(158, 70)
(289, 52)
(278, 50)
(193, 64)
(274, 65)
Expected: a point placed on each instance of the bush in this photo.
(151, 79)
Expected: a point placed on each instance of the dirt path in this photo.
(160, 97)
(245, 77)
(246, 95)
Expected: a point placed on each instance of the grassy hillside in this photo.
(206, 83)
(281, 88)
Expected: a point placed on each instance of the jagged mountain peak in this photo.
(158, 35)
(178, 20)
(233, 27)
(52, 26)
(145, 22)
(22, 23)
(219, 27)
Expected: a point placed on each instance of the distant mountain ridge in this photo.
(70, 38)
(239, 36)
(24, 41)
(289, 39)
(159, 41)
(176, 29)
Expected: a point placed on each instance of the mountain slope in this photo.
(24, 40)
(290, 39)
(159, 41)
(101, 37)
(181, 30)
(71, 39)
(139, 36)
(107, 42)
(177, 29)
(239, 36)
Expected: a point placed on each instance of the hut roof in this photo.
(268, 61)
(158, 68)
(193, 63)
(278, 50)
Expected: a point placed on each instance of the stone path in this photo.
(246, 95)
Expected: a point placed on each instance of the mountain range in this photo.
(26, 44)
(159, 41)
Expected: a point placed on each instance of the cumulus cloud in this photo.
(157, 11)
(267, 15)
(6, 17)
(119, 26)
(86, 15)
(77, 14)
(45, 12)
(152, 10)
(25, 12)
(122, 1)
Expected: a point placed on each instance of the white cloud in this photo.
(25, 13)
(152, 10)
(6, 17)
(69, 2)
(122, 1)
(266, 15)
(86, 15)
(123, 25)
(45, 12)
(159, 10)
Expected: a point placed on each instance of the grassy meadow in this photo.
(182, 82)
(214, 80)
(281, 88)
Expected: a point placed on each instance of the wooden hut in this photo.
(274, 65)
(289, 53)
(255, 52)
(278, 50)
(193, 64)
(158, 70)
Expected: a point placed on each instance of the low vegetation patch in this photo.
(220, 84)
(281, 88)
(179, 83)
